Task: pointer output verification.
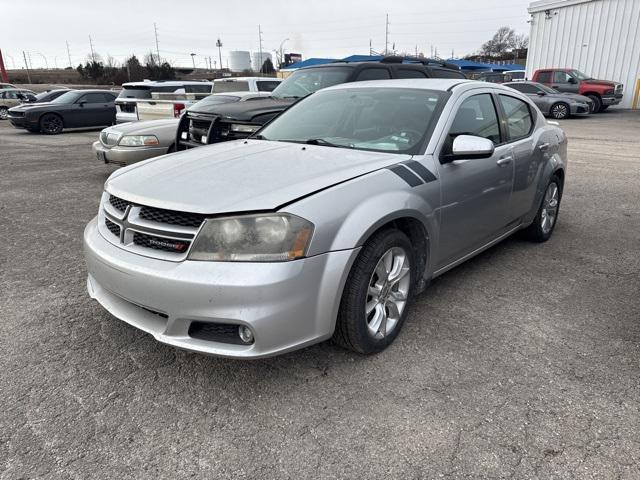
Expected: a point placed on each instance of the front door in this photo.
(563, 82)
(92, 110)
(475, 193)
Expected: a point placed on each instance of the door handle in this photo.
(504, 161)
(543, 146)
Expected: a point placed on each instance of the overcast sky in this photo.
(326, 28)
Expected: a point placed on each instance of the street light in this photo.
(193, 60)
(281, 57)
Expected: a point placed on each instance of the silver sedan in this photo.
(558, 105)
(329, 221)
(128, 143)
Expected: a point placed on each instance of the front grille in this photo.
(160, 243)
(119, 203)
(113, 228)
(183, 219)
(200, 124)
(215, 332)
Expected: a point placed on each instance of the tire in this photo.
(540, 229)
(4, 113)
(603, 108)
(560, 111)
(597, 103)
(368, 289)
(51, 124)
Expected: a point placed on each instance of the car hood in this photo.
(571, 96)
(32, 106)
(593, 81)
(241, 175)
(246, 111)
(144, 127)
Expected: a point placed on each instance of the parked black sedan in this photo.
(50, 95)
(74, 109)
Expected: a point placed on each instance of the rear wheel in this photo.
(377, 293)
(51, 124)
(559, 111)
(596, 103)
(4, 113)
(546, 218)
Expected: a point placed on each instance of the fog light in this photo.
(246, 335)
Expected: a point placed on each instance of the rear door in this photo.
(475, 193)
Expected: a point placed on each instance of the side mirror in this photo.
(82, 103)
(470, 146)
(572, 80)
(541, 93)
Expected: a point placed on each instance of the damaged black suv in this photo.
(232, 121)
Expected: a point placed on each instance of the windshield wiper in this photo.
(325, 143)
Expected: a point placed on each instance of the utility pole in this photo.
(27, 66)
(370, 49)
(452, 55)
(219, 45)
(93, 55)
(155, 29)
(69, 55)
(260, 40)
(386, 36)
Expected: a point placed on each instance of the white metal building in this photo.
(601, 38)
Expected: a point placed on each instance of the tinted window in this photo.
(446, 73)
(410, 73)
(308, 80)
(476, 116)
(379, 119)
(143, 91)
(519, 121)
(204, 88)
(523, 87)
(226, 86)
(373, 74)
(561, 77)
(93, 98)
(266, 85)
(544, 77)
(517, 75)
(69, 97)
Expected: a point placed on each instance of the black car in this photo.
(50, 95)
(73, 109)
(206, 124)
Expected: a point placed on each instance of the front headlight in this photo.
(238, 127)
(138, 141)
(252, 238)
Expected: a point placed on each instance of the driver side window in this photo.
(561, 77)
(476, 116)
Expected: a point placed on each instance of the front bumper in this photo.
(580, 108)
(125, 155)
(22, 122)
(612, 99)
(287, 305)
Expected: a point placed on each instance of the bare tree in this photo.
(504, 41)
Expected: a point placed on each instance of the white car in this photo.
(249, 84)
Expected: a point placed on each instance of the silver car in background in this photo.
(132, 142)
(327, 222)
(555, 104)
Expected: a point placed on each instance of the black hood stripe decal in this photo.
(405, 174)
(421, 170)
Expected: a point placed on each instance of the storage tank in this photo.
(257, 62)
(239, 60)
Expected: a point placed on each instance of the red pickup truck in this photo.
(602, 93)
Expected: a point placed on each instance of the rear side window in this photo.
(410, 73)
(544, 77)
(93, 98)
(373, 74)
(476, 116)
(266, 86)
(204, 88)
(518, 115)
(446, 73)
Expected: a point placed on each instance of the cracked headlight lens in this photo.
(252, 238)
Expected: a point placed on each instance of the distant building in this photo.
(598, 37)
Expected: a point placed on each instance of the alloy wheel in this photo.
(549, 208)
(559, 111)
(4, 113)
(52, 124)
(387, 293)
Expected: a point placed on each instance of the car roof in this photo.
(238, 94)
(244, 79)
(170, 83)
(442, 84)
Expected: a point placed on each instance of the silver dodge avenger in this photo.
(328, 221)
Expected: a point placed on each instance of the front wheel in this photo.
(51, 124)
(377, 293)
(560, 111)
(4, 113)
(546, 218)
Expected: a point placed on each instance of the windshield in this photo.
(379, 119)
(144, 92)
(579, 75)
(306, 81)
(69, 97)
(214, 100)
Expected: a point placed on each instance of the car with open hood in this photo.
(328, 221)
